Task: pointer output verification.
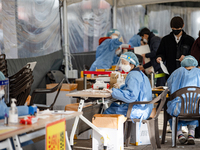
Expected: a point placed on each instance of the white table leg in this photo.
(96, 129)
(80, 107)
(67, 142)
(6, 144)
(17, 144)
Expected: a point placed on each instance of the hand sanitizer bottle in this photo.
(13, 113)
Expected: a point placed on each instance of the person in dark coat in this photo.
(174, 46)
(195, 51)
(153, 42)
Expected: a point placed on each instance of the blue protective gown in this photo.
(181, 78)
(136, 88)
(135, 41)
(106, 53)
(22, 110)
(115, 60)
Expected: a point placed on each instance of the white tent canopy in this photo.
(124, 3)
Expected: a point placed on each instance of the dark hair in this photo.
(177, 22)
(144, 31)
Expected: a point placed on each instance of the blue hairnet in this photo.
(112, 32)
(2, 77)
(189, 61)
(130, 57)
(154, 31)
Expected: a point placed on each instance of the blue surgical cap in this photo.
(2, 77)
(154, 31)
(112, 32)
(189, 61)
(130, 57)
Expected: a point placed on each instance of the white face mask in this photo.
(114, 37)
(126, 68)
(145, 40)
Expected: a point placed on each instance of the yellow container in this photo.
(88, 75)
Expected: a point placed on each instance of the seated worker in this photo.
(22, 110)
(136, 88)
(186, 75)
(4, 109)
(107, 50)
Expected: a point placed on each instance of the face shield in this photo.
(4, 90)
(124, 61)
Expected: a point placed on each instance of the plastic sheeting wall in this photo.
(159, 17)
(87, 22)
(37, 25)
(1, 29)
(130, 20)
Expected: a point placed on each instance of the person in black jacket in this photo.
(174, 46)
(153, 42)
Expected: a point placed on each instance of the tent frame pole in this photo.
(66, 53)
(114, 14)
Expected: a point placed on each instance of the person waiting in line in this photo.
(153, 42)
(136, 88)
(174, 46)
(107, 50)
(186, 75)
(195, 51)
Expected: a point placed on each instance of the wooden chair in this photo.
(189, 111)
(152, 123)
(43, 91)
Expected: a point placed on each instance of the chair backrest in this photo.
(20, 85)
(161, 97)
(189, 96)
(3, 65)
(57, 88)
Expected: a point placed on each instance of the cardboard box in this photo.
(62, 99)
(80, 84)
(113, 126)
(113, 78)
(144, 134)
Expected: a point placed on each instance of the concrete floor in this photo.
(87, 144)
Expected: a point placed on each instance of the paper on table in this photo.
(163, 67)
(5, 129)
(63, 112)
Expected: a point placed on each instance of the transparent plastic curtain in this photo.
(1, 30)
(87, 22)
(159, 17)
(38, 27)
(130, 20)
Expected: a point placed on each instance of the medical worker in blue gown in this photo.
(22, 110)
(136, 88)
(186, 75)
(107, 50)
(135, 41)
